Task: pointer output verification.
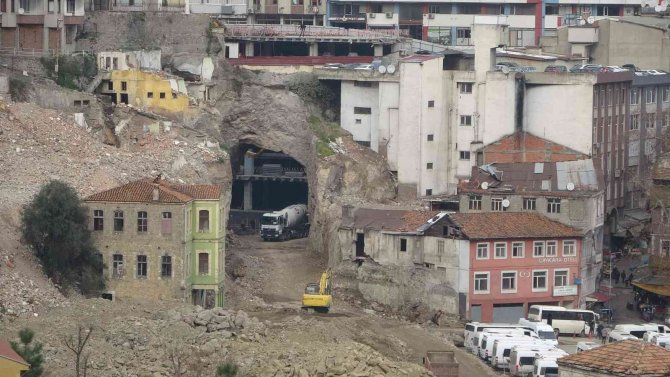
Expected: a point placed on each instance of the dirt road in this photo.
(278, 273)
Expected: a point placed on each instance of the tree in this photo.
(77, 347)
(31, 353)
(54, 225)
(226, 370)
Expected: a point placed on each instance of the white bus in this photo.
(564, 320)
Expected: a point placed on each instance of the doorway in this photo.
(360, 245)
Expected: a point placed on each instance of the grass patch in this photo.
(325, 133)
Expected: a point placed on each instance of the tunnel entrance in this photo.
(264, 181)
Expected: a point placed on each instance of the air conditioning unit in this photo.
(371, 15)
(389, 14)
(315, 9)
(431, 16)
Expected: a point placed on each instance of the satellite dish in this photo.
(570, 186)
(505, 69)
(591, 20)
(485, 185)
(22, 11)
(390, 68)
(505, 203)
(381, 69)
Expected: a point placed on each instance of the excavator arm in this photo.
(324, 284)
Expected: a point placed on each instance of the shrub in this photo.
(226, 370)
(31, 353)
(19, 88)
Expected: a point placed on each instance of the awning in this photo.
(663, 290)
(597, 297)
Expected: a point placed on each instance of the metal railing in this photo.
(269, 30)
(26, 52)
(150, 5)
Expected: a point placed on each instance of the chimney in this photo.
(156, 193)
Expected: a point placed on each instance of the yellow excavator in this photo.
(317, 296)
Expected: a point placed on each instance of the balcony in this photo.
(219, 7)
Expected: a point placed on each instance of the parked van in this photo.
(488, 341)
(472, 328)
(585, 346)
(618, 335)
(542, 330)
(658, 339)
(545, 367)
(522, 359)
(503, 347)
(639, 330)
(477, 342)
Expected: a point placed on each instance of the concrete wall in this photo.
(564, 371)
(139, 84)
(363, 127)
(623, 42)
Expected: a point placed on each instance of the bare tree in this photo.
(77, 346)
(176, 356)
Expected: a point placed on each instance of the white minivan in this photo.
(488, 341)
(585, 346)
(656, 338)
(618, 335)
(545, 367)
(477, 342)
(522, 360)
(503, 347)
(639, 330)
(473, 328)
(542, 330)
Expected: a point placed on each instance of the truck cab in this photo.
(272, 226)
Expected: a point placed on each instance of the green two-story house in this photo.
(161, 240)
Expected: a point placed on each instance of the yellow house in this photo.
(11, 364)
(147, 89)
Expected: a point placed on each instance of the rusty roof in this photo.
(7, 352)
(630, 357)
(141, 191)
(392, 220)
(507, 225)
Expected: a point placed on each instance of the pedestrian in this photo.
(599, 330)
(605, 332)
(592, 327)
(615, 275)
(630, 279)
(623, 276)
(302, 28)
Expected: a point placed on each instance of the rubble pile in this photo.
(22, 296)
(226, 323)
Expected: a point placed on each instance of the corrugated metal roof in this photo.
(581, 173)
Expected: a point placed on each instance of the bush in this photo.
(325, 132)
(31, 353)
(19, 88)
(71, 70)
(54, 225)
(226, 370)
(308, 87)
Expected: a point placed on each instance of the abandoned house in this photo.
(161, 241)
(153, 90)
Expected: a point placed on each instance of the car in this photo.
(423, 52)
(511, 66)
(528, 68)
(556, 68)
(584, 68)
(333, 66)
(630, 67)
(364, 67)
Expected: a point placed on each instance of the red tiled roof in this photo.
(630, 357)
(393, 220)
(7, 352)
(141, 191)
(499, 225)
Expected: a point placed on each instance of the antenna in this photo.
(505, 69)
(570, 186)
(485, 185)
(390, 69)
(381, 69)
(505, 203)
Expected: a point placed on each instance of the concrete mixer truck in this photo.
(288, 223)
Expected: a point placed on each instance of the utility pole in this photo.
(58, 28)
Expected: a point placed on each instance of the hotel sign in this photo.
(566, 290)
(558, 260)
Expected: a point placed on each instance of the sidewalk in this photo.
(621, 294)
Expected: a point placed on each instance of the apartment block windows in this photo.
(497, 204)
(440, 250)
(569, 248)
(464, 155)
(118, 221)
(540, 281)
(500, 250)
(551, 248)
(475, 202)
(431, 103)
(203, 221)
(651, 121)
(124, 86)
(430, 137)
(463, 33)
(650, 95)
(70, 6)
(635, 96)
(434, 8)
(166, 223)
(429, 192)
(508, 281)
(161, 95)
(142, 221)
(560, 278)
(429, 166)
(666, 94)
(665, 248)
(98, 219)
(466, 120)
(166, 266)
(529, 204)
(110, 84)
(481, 282)
(465, 87)
(117, 266)
(203, 263)
(482, 251)
(517, 249)
(635, 121)
(538, 249)
(403, 244)
(554, 205)
(150, 94)
(362, 110)
(142, 266)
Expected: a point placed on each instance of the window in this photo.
(142, 221)
(362, 110)
(464, 155)
(117, 266)
(166, 266)
(552, 248)
(481, 282)
(110, 85)
(560, 278)
(203, 220)
(429, 166)
(363, 84)
(429, 137)
(466, 120)
(517, 249)
(650, 95)
(665, 248)
(431, 103)
(161, 95)
(166, 223)
(569, 248)
(203, 263)
(539, 281)
(475, 202)
(118, 221)
(635, 121)
(434, 8)
(651, 121)
(665, 216)
(538, 249)
(440, 250)
(429, 192)
(463, 33)
(554, 205)
(174, 95)
(403, 244)
(142, 266)
(465, 87)
(482, 251)
(150, 94)
(358, 121)
(635, 96)
(124, 86)
(501, 250)
(666, 94)
(529, 204)
(98, 219)
(508, 281)
(497, 204)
